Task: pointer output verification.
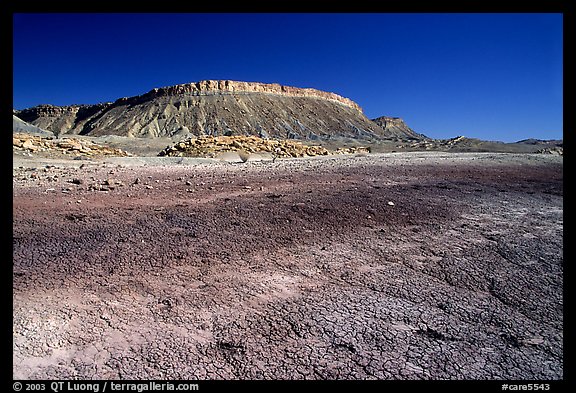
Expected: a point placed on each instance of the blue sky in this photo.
(490, 76)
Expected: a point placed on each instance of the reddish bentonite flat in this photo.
(385, 266)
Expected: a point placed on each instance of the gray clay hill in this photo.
(218, 108)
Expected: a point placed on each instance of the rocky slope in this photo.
(216, 108)
(19, 126)
(396, 127)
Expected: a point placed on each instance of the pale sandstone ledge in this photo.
(206, 87)
(209, 87)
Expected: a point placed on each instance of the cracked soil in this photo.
(386, 266)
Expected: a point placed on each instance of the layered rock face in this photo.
(61, 119)
(223, 87)
(396, 127)
(215, 108)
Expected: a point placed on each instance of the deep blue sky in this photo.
(489, 76)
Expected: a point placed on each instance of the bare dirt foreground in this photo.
(387, 266)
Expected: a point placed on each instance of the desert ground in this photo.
(422, 265)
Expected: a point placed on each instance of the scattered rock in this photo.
(558, 151)
(210, 146)
(35, 143)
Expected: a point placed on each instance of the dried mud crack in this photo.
(392, 266)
